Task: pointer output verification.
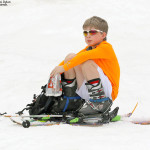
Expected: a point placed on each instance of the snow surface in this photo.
(35, 35)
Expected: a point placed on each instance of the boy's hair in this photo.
(97, 23)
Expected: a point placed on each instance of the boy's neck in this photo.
(94, 46)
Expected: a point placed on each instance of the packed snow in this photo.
(36, 35)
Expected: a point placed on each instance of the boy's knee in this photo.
(89, 63)
(69, 57)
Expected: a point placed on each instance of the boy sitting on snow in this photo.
(93, 73)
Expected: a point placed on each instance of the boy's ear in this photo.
(104, 34)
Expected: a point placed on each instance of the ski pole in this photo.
(129, 114)
(34, 116)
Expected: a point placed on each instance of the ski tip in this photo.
(146, 122)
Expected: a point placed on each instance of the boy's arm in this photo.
(103, 51)
(62, 63)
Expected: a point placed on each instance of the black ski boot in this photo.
(69, 101)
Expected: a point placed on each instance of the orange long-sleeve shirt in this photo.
(104, 56)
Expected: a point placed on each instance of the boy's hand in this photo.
(56, 70)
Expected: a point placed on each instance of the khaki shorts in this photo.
(83, 91)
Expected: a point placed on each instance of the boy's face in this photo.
(92, 40)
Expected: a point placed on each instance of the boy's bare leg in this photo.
(79, 75)
(70, 74)
(89, 69)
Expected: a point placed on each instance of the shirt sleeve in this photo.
(103, 51)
